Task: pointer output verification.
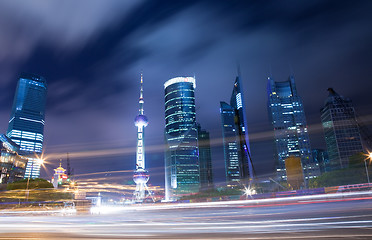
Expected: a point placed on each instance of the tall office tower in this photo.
(181, 138)
(341, 130)
(321, 157)
(26, 124)
(205, 159)
(286, 113)
(238, 163)
(141, 175)
(230, 144)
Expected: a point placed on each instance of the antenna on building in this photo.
(68, 165)
(270, 71)
(238, 69)
(291, 69)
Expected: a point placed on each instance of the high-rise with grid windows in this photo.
(26, 124)
(341, 130)
(181, 138)
(286, 113)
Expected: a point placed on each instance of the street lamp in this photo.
(249, 191)
(369, 157)
(40, 161)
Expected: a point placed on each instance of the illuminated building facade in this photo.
(141, 175)
(205, 159)
(12, 165)
(341, 130)
(26, 124)
(181, 138)
(237, 154)
(286, 113)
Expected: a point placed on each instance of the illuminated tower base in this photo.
(141, 177)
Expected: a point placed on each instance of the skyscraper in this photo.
(26, 124)
(205, 159)
(181, 138)
(238, 163)
(286, 113)
(341, 130)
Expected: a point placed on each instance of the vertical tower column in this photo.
(141, 175)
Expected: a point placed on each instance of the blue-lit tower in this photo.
(287, 115)
(26, 124)
(238, 162)
(181, 138)
(141, 175)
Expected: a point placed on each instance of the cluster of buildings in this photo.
(188, 163)
(188, 167)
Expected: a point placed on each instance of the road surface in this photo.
(337, 218)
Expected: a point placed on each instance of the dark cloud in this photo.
(92, 52)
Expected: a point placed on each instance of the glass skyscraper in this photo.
(181, 138)
(286, 113)
(26, 124)
(205, 159)
(238, 163)
(341, 130)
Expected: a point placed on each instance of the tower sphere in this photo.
(141, 176)
(141, 120)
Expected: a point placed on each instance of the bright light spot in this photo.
(248, 191)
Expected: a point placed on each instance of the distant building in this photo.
(341, 130)
(205, 159)
(12, 165)
(321, 157)
(286, 113)
(294, 171)
(26, 124)
(181, 138)
(237, 154)
(60, 177)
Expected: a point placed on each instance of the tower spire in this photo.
(141, 101)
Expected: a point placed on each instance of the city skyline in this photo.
(92, 69)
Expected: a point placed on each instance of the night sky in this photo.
(91, 53)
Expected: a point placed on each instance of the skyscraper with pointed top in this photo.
(238, 162)
(141, 175)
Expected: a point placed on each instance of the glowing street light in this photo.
(369, 157)
(249, 191)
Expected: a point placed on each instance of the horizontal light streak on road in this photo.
(109, 228)
(248, 202)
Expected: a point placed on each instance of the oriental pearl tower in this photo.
(141, 175)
